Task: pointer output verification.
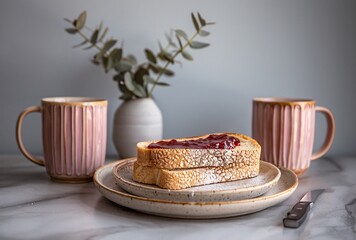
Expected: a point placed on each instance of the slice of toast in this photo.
(246, 154)
(185, 178)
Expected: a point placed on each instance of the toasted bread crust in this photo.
(184, 178)
(247, 154)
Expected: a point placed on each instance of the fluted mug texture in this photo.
(285, 129)
(74, 137)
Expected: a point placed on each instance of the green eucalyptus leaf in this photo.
(71, 30)
(116, 55)
(169, 40)
(109, 65)
(119, 77)
(79, 24)
(94, 37)
(123, 88)
(126, 96)
(97, 58)
(195, 23)
(138, 75)
(198, 45)
(182, 34)
(135, 88)
(161, 56)
(150, 80)
(187, 56)
(128, 82)
(109, 44)
(89, 47)
(147, 79)
(155, 68)
(104, 62)
(121, 85)
(167, 72)
(132, 59)
(102, 36)
(139, 91)
(167, 57)
(204, 33)
(163, 84)
(180, 42)
(123, 66)
(101, 24)
(201, 20)
(81, 44)
(95, 61)
(150, 56)
(210, 23)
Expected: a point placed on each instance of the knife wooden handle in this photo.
(297, 215)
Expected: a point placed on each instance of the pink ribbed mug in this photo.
(73, 135)
(284, 127)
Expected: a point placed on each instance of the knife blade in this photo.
(299, 212)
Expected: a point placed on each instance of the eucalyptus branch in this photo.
(133, 78)
(88, 40)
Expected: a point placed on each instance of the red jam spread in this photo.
(222, 141)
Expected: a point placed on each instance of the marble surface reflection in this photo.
(34, 207)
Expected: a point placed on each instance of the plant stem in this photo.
(167, 63)
(87, 39)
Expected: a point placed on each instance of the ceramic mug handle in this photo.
(330, 132)
(19, 138)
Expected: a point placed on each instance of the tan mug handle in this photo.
(19, 138)
(330, 132)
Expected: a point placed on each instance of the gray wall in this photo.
(280, 48)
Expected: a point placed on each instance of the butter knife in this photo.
(299, 212)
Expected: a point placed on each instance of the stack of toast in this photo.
(173, 167)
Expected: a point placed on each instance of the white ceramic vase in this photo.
(135, 121)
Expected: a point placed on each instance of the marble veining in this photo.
(41, 200)
(334, 162)
(34, 207)
(351, 211)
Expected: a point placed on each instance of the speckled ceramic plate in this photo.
(106, 184)
(227, 191)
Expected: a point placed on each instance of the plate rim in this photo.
(153, 200)
(124, 162)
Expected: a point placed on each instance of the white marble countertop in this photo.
(34, 207)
